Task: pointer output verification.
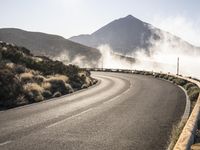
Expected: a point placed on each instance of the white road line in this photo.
(4, 143)
(59, 122)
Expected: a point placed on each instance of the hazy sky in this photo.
(74, 17)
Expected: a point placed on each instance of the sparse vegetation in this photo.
(176, 131)
(179, 81)
(25, 78)
(193, 93)
(33, 92)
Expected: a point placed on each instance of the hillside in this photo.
(51, 45)
(25, 78)
(129, 34)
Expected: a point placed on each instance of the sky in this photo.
(73, 17)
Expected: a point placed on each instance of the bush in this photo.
(161, 76)
(194, 95)
(39, 78)
(38, 98)
(180, 82)
(33, 92)
(21, 100)
(20, 69)
(26, 77)
(70, 89)
(189, 85)
(46, 85)
(10, 65)
(84, 86)
(57, 94)
(47, 94)
(33, 87)
(170, 78)
(60, 86)
(156, 75)
(148, 73)
(58, 77)
(76, 82)
(94, 81)
(166, 77)
(10, 88)
(76, 85)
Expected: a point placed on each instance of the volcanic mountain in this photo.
(129, 34)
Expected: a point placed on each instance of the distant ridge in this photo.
(50, 45)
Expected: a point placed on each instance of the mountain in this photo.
(128, 35)
(51, 45)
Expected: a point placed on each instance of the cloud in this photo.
(79, 60)
(164, 54)
(112, 60)
(181, 27)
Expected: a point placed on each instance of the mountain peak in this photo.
(129, 16)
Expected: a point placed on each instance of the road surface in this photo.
(123, 112)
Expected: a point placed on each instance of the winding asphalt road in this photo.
(124, 111)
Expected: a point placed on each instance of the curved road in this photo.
(124, 111)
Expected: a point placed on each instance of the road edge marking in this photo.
(4, 143)
(61, 121)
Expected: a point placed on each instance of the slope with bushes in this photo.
(25, 78)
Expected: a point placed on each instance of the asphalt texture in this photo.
(122, 112)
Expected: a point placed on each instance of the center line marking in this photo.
(114, 98)
(4, 143)
(59, 122)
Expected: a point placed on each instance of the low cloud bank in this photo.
(79, 60)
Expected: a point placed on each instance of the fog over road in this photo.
(124, 111)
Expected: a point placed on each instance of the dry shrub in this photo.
(82, 74)
(57, 83)
(46, 85)
(58, 77)
(32, 87)
(57, 94)
(47, 94)
(39, 78)
(189, 85)
(10, 65)
(21, 100)
(175, 133)
(88, 81)
(10, 88)
(26, 77)
(84, 86)
(20, 69)
(69, 88)
(33, 92)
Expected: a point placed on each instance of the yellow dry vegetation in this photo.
(33, 87)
